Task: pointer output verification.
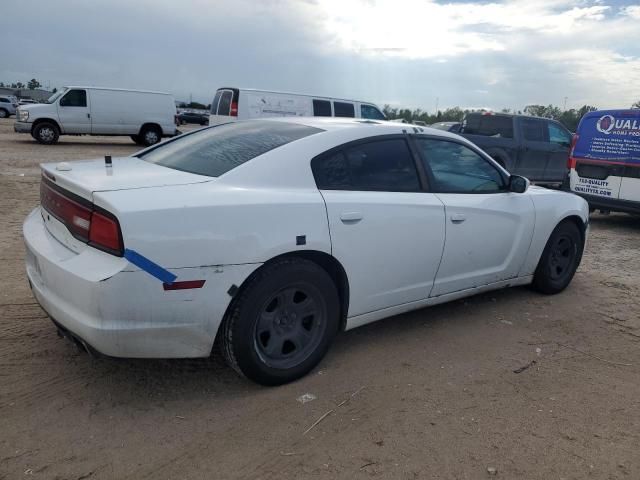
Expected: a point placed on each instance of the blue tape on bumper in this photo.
(148, 266)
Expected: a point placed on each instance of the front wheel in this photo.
(282, 323)
(46, 133)
(150, 136)
(4, 113)
(560, 259)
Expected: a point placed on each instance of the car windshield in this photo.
(216, 150)
(56, 95)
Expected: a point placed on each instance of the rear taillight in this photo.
(571, 162)
(104, 233)
(85, 221)
(234, 109)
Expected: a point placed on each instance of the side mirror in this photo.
(518, 184)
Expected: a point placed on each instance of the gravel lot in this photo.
(430, 394)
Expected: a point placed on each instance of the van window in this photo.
(558, 135)
(343, 109)
(224, 108)
(214, 104)
(216, 150)
(74, 98)
(371, 112)
(532, 129)
(321, 108)
(489, 125)
(379, 165)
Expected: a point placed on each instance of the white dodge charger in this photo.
(272, 235)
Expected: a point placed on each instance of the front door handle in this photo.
(458, 218)
(351, 217)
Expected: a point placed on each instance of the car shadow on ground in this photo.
(615, 221)
(136, 379)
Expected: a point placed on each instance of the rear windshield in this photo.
(488, 125)
(216, 150)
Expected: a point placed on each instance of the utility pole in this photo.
(437, 101)
(565, 104)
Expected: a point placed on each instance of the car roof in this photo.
(116, 89)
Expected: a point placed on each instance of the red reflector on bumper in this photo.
(186, 285)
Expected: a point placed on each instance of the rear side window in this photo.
(321, 108)
(371, 112)
(214, 103)
(458, 169)
(74, 98)
(214, 151)
(343, 109)
(532, 129)
(224, 107)
(489, 126)
(4, 100)
(379, 165)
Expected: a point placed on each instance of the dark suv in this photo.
(534, 147)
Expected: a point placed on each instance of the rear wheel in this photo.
(150, 135)
(3, 113)
(282, 323)
(559, 260)
(137, 139)
(46, 133)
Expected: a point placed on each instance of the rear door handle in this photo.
(458, 218)
(351, 217)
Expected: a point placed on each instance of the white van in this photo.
(604, 162)
(144, 116)
(230, 104)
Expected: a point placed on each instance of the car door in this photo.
(560, 141)
(74, 112)
(534, 149)
(386, 232)
(488, 228)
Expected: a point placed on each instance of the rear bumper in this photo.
(22, 127)
(119, 310)
(612, 204)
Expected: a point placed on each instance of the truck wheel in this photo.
(4, 113)
(560, 259)
(150, 136)
(136, 139)
(282, 323)
(46, 133)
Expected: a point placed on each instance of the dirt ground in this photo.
(438, 393)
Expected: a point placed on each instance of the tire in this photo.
(46, 133)
(150, 135)
(136, 139)
(282, 322)
(560, 259)
(4, 113)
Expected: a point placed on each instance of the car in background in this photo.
(8, 105)
(447, 126)
(536, 148)
(231, 104)
(604, 164)
(192, 117)
(26, 101)
(272, 235)
(144, 116)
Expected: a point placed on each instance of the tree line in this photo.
(31, 85)
(569, 118)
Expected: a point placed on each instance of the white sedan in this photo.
(272, 235)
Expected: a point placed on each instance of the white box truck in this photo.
(144, 116)
(230, 104)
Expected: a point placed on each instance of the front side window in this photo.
(4, 100)
(321, 108)
(224, 108)
(458, 169)
(214, 151)
(558, 135)
(532, 129)
(74, 98)
(343, 109)
(379, 165)
(371, 112)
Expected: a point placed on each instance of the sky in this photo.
(406, 53)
